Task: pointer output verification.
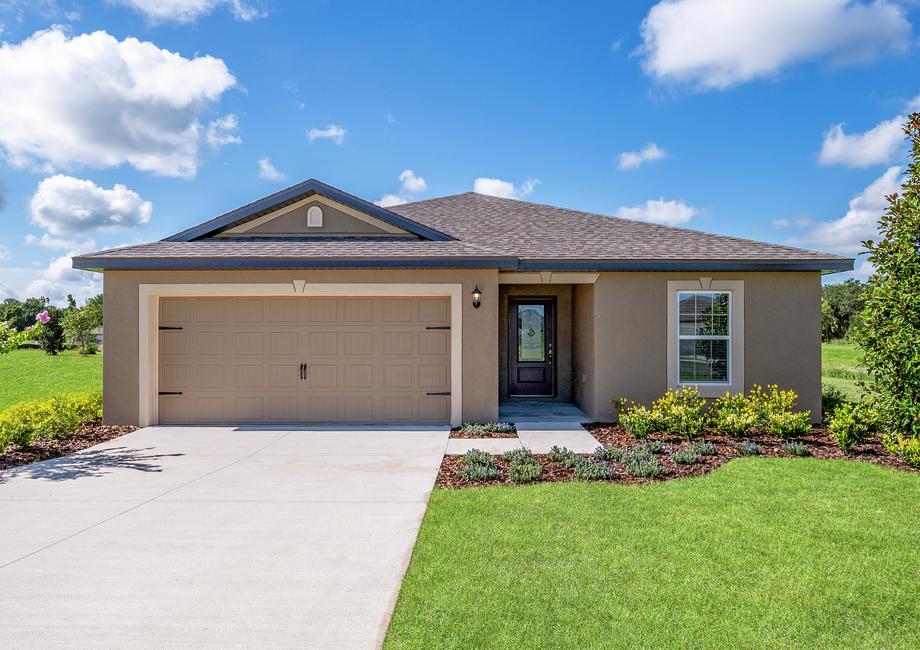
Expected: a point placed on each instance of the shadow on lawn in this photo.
(92, 463)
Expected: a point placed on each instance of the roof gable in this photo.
(297, 193)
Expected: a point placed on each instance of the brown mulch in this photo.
(457, 433)
(616, 436)
(62, 444)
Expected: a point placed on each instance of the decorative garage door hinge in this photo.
(441, 393)
(169, 392)
(166, 327)
(438, 327)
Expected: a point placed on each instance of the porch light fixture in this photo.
(477, 297)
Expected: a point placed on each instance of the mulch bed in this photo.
(48, 447)
(616, 436)
(457, 433)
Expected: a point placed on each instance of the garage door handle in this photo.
(169, 392)
(441, 393)
(303, 371)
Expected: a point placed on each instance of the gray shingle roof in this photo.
(489, 232)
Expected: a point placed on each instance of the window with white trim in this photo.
(704, 345)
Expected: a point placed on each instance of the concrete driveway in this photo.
(214, 536)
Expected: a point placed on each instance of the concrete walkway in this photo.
(214, 536)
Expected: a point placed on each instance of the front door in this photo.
(531, 339)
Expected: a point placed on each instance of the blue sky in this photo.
(686, 112)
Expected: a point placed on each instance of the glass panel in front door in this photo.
(531, 335)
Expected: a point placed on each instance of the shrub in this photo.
(685, 456)
(640, 421)
(565, 456)
(474, 473)
(846, 427)
(681, 411)
(788, 425)
(732, 415)
(592, 470)
(831, 398)
(519, 456)
(524, 472)
(645, 467)
(653, 446)
(704, 448)
(796, 449)
(475, 457)
(483, 429)
(51, 338)
(907, 448)
(748, 448)
(609, 453)
(23, 422)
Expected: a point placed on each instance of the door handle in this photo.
(305, 368)
(302, 371)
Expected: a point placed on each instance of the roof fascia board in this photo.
(830, 265)
(207, 263)
(310, 186)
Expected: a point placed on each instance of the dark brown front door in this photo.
(531, 339)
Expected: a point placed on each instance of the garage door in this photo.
(304, 360)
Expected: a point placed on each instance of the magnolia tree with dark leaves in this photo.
(889, 332)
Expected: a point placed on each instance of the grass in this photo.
(840, 368)
(31, 374)
(760, 553)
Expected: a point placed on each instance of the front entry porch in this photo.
(525, 410)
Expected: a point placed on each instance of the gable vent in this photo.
(314, 217)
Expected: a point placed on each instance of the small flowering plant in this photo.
(10, 338)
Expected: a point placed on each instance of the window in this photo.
(704, 337)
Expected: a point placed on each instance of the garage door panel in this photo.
(368, 360)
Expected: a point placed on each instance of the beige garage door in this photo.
(304, 360)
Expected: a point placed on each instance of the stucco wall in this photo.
(563, 351)
(782, 335)
(583, 347)
(480, 343)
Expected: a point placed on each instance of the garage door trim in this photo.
(149, 316)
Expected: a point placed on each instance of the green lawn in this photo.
(771, 553)
(840, 368)
(32, 374)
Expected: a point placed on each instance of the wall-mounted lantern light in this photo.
(477, 297)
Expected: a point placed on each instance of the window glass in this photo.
(531, 333)
(703, 336)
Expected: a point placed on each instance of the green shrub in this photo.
(653, 446)
(484, 429)
(475, 457)
(592, 470)
(640, 421)
(524, 472)
(831, 398)
(645, 467)
(775, 411)
(473, 473)
(704, 448)
(796, 449)
(681, 411)
(609, 453)
(847, 428)
(732, 415)
(23, 422)
(519, 456)
(907, 448)
(685, 456)
(749, 448)
(562, 455)
(788, 425)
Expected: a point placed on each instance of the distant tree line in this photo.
(841, 305)
(71, 326)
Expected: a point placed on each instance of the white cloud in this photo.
(268, 171)
(94, 100)
(223, 131)
(504, 189)
(410, 184)
(798, 222)
(861, 220)
(333, 132)
(4, 252)
(63, 204)
(877, 146)
(47, 241)
(914, 104)
(720, 43)
(188, 11)
(60, 278)
(669, 213)
(635, 159)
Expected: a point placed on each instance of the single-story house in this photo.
(315, 306)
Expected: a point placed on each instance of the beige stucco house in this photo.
(314, 306)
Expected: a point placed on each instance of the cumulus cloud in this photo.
(47, 241)
(268, 171)
(333, 132)
(60, 278)
(188, 11)
(914, 104)
(4, 252)
(409, 184)
(720, 43)
(63, 204)
(668, 213)
(635, 159)
(94, 100)
(877, 146)
(222, 131)
(860, 223)
(504, 189)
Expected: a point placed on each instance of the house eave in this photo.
(824, 265)
(255, 263)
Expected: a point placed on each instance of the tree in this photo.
(889, 331)
(10, 338)
(840, 306)
(51, 338)
(80, 324)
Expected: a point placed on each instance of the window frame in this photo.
(708, 337)
(735, 289)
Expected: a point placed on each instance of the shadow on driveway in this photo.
(93, 463)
